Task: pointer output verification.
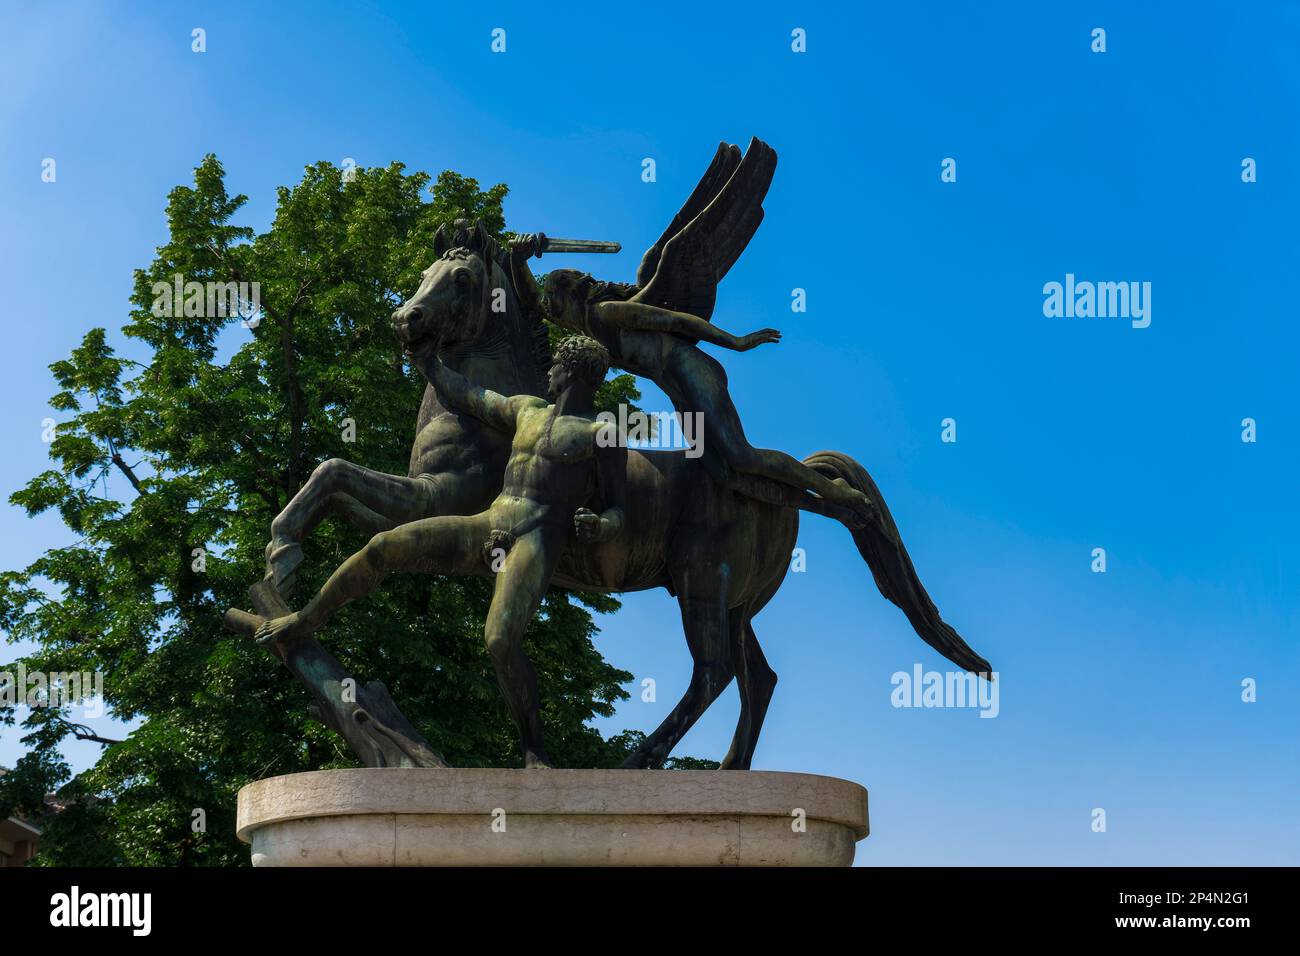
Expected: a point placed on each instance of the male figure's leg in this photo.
(704, 385)
(521, 583)
(367, 499)
(445, 545)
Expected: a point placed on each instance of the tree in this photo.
(169, 469)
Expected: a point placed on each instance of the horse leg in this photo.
(370, 500)
(756, 681)
(357, 515)
(754, 675)
(704, 619)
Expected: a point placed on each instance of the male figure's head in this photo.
(580, 363)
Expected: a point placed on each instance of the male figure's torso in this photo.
(550, 472)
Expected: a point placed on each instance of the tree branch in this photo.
(82, 732)
(126, 470)
(366, 718)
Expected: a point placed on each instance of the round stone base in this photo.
(474, 817)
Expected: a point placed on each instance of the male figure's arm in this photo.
(611, 479)
(460, 394)
(651, 318)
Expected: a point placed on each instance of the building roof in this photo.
(16, 828)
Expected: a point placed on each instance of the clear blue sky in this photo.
(1119, 690)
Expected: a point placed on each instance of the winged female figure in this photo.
(652, 328)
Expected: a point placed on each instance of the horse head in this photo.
(452, 303)
(466, 307)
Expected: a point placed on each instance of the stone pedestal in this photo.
(436, 817)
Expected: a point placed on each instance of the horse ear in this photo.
(483, 240)
(440, 242)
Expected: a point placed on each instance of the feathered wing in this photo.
(725, 161)
(682, 270)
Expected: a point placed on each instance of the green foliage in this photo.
(690, 763)
(182, 451)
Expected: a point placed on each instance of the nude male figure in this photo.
(555, 465)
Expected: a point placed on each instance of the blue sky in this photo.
(1119, 690)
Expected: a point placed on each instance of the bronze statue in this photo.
(716, 532)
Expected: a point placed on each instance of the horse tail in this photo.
(881, 547)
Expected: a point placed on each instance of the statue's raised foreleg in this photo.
(369, 500)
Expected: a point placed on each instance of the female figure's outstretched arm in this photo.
(651, 318)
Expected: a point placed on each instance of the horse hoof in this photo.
(282, 563)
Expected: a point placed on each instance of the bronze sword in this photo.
(546, 243)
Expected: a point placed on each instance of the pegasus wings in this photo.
(682, 270)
